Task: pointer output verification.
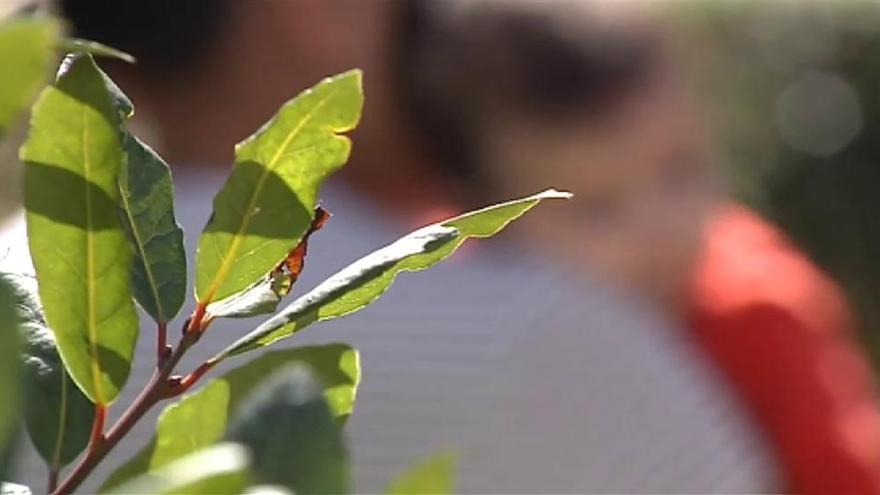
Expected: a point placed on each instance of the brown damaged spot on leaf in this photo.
(285, 275)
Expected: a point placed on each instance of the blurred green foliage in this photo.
(782, 79)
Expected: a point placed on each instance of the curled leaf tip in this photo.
(78, 45)
(555, 194)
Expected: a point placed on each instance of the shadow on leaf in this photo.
(59, 195)
(256, 201)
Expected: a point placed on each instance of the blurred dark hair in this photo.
(457, 62)
(165, 35)
(454, 61)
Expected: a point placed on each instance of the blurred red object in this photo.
(781, 333)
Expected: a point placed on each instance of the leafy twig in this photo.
(157, 389)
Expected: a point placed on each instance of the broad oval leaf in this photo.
(57, 415)
(292, 436)
(365, 280)
(220, 469)
(432, 476)
(28, 46)
(82, 258)
(201, 418)
(267, 203)
(147, 210)
(9, 378)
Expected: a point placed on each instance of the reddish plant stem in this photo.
(97, 435)
(196, 322)
(53, 479)
(189, 380)
(161, 343)
(156, 390)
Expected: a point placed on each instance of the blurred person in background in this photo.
(502, 90)
(543, 382)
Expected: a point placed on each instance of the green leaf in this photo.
(9, 377)
(365, 280)
(432, 476)
(57, 415)
(220, 469)
(292, 436)
(263, 296)
(267, 203)
(200, 419)
(77, 45)
(260, 298)
(82, 258)
(28, 46)
(147, 208)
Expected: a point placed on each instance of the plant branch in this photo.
(53, 479)
(189, 380)
(162, 349)
(97, 435)
(196, 322)
(157, 389)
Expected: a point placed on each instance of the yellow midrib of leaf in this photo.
(62, 423)
(90, 263)
(142, 250)
(234, 246)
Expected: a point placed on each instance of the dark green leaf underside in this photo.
(147, 212)
(57, 415)
(292, 436)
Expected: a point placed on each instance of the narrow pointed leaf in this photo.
(57, 415)
(77, 45)
(147, 210)
(292, 436)
(82, 258)
(432, 476)
(201, 418)
(220, 469)
(267, 203)
(365, 280)
(28, 46)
